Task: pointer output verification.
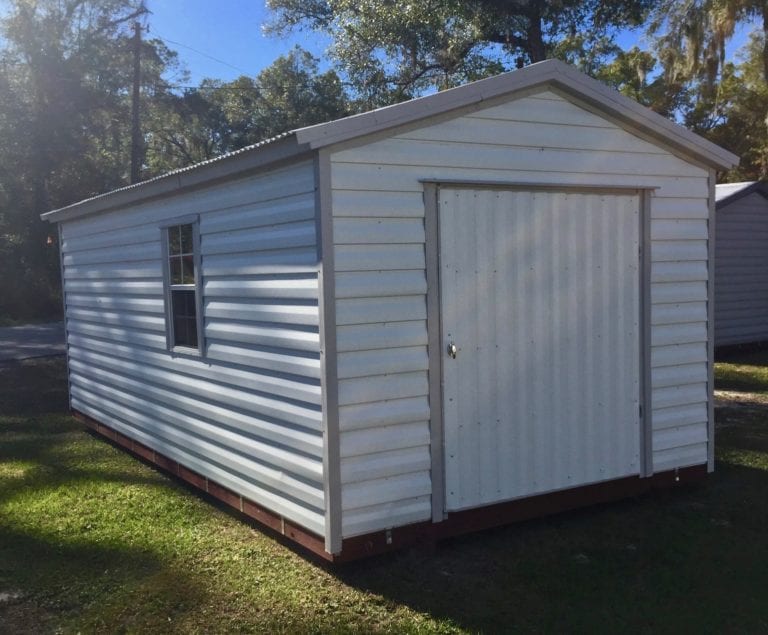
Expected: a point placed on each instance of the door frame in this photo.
(435, 323)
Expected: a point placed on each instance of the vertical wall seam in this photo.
(711, 323)
(647, 333)
(435, 350)
(328, 357)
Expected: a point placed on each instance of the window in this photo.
(182, 290)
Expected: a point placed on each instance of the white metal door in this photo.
(540, 295)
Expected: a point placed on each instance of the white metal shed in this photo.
(741, 263)
(488, 303)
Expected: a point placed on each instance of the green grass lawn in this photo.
(92, 540)
(743, 371)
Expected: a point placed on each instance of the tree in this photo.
(220, 117)
(391, 51)
(293, 93)
(691, 35)
(724, 101)
(64, 123)
(65, 79)
(735, 114)
(634, 74)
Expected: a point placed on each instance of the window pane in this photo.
(182, 304)
(186, 239)
(184, 318)
(176, 270)
(192, 332)
(181, 264)
(180, 332)
(188, 269)
(191, 307)
(174, 240)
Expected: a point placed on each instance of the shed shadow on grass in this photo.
(742, 426)
(53, 568)
(66, 580)
(33, 386)
(62, 573)
(664, 561)
(690, 559)
(59, 463)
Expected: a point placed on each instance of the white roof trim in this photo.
(297, 142)
(727, 193)
(224, 167)
(549, 72)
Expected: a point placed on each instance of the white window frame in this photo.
(168, 287)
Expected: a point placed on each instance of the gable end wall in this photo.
(380, 281)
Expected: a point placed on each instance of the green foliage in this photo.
(65, 80)
(64, 68)
(691, 36)
(220, 117)
(391, 51)
(687, 78)
(732, 113)
(720, 99)
(633, 73)
(65, 120)
(744, 371)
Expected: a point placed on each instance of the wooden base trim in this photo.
(457, 523)
(463, 522)
(269, 520)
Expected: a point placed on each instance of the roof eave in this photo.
(639, 116)
(305, 140)
(549, 72)
(758, 187)
(222, 169)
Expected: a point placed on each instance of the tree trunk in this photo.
(536, 47)
(765, 41)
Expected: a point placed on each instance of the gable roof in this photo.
(727, 193)
(304, 141)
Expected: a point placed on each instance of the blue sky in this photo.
(231, 32)
(228, 30)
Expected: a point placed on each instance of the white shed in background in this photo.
(485, 304)
(741, 264)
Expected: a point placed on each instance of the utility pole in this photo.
(136, 140)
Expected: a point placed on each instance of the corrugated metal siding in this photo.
(377, 205)
(741, 271)
(248, 415)
(540, 291)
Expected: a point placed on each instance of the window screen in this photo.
(183, 287)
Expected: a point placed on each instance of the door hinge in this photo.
(640, 408)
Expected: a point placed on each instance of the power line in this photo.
(254, 88)
(199, 52)
(202, 88)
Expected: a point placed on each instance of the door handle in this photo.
(452, 350)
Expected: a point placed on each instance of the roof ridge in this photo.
(554, 73)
